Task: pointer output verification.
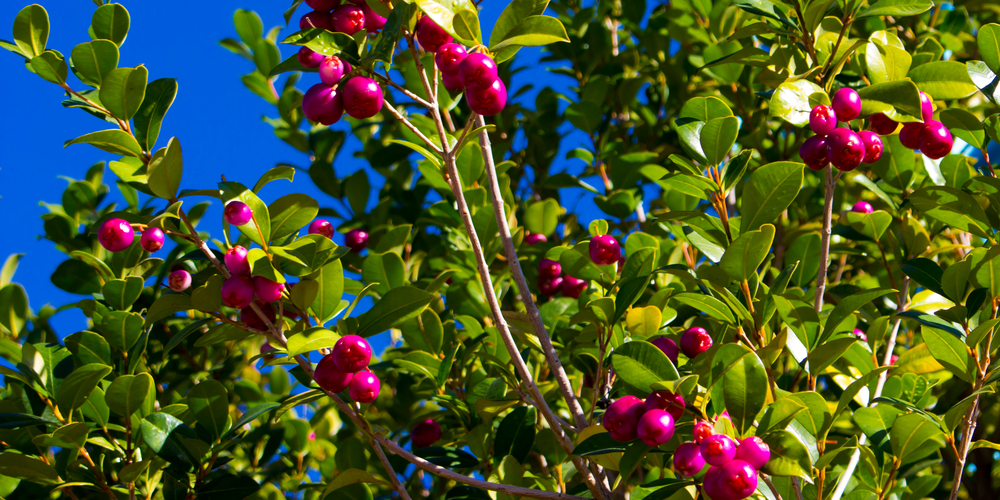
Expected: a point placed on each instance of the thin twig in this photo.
(824, 248)
(419, 100)
(414, 129)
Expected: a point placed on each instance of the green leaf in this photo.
(9, 268)
(88, 348)
(542, 216)
(886, 63)
(770, 190)
(31, 30)
(988, 40)
(330, 280)
(457, 17)
(290, 213)
(871, 225)
(128, 393)
(92, 61)
(789, 455)
(950, 351)
(249, 416)
(121, 294)
(165, 306)
(584, 115)
(208, 297)
(425, 332)
(28, 468)
(114, 141)
(744, 383)
(717, 138)
(891, 98)
(51, 66)
(209, 401)
(261, 218)
(78, 386)
(965, 126)
(111, 22)
(123, 91)
(910, 435)
(326, 43)
(164, 434)
(515, 12)
(248, 26)
(828, 353)
(122, 329)
(13, 308)
(276, 173)
(534, 31)
(159, 96)
(641, 364)
(164, 173)
(599, 444)
(987, 272)
(311, 340)
(790, 101)
(516, 434)
(847, 307)
(629, 292)
(395, 307)
(926, 272)
(707, 304)
(943, 80)
(951, 206)
(896, 8)
(747, 253)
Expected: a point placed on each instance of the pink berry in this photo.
(115, 235)
(488, 101)
(236, 260)
(713, 488)
(622, 418)
(251, 319)
(702, 431)
(694, 341)
(847, 104)
(669, 347)
(348, 19)
(604, 250)
(754, 451)
(873, 146)
(893, 359)
(237, 291)
(822, 119)
(352, 353)
(238, 213)
(910, 135)
(935, 140)
(862, 207)
(737, 480)
(308, 58)
(861, 335)
(667, 401)
(329, 377)
(449, 57)
(332, 69)
(373, 21)
(425, 434)
(926, 107)
(152, 239)
(179, 280)
(845, 150)
(430, 35)
(362, 97)
(548, 287)
(364, 387)
(323, 104)
(535, 238)
(688, 460)
(326, 5)
(572, 287)
(356, 240)
(452, 82)
(655, 427)
(813, 152)
(267, 290)
(321, 227)
(881, 124)
(477, 71)
(316, 19)
(549, 268)
(718, 449)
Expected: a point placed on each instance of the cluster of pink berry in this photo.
(694, 341)
(651, 421)
(347, 366)
(732, 471)
(347, 16)
(475, 73)
(551, 281)
(930, 136)
(425, 434)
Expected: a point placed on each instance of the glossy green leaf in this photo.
(28, 468)
(789, 455)
(121, 294)
(848, 306)
(951, 352)
(965, 126)
(516, 434)
(458, 17)
(261, 222)
(770, 190)
(533, 31)
(790, 101)
(248, 26)
(78, 386)
(13, 308)
(896, 8)
(641, 364)
(290, 213)
(943, 80)
(717, 138)
(890, 97)
(911, 434)
(128, 393)
(707, 304)
(158, 98)
(113, 141)
(92, 61)
(515, 12)
(744, 383)
(395, 307)
(311, 340)
(988, 40)
(123, 91)
(111, 22)
(747, 253)
(122, 329)
(51, 66)
(209, 401)
(31, 30)
(163, 175)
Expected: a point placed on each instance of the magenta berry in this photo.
(452, 82)
(329, 377)
(115, 235)
(321, 227)
(352, 354)
(179, 280)
(754, 451)
(238, 213)
(323, 104)
(348, 19)
(535, 238)
(265, 351)
(548, 287)
(250, 318)
(718, 449)
(935, 140)
(364, 387)
(881, 124)
(549, 268)
(862, 207)
(373, 22)
(694, 341)
(308, 58)
(477, 71)
(669, 347)
(861, 335)
(425, 434)
(847, 104)
(873, 146)
(604, 250)
(822, 119)
(151, 239)
(844, 149)
(667, 401)
(267, 290)
(702, 431)
(430, 35)
(236, 260)
(737, 480)
(332, 70)
(688, 460)
(356, 240)
(316, 19)
(713, 488)
(572, 287)
(622, 418)
(813, 152)
(893, 359)
(449, 57)
(237, 291)
(926, 107)
(362, 97)
(910, 134)
(655, 427)
(326, 5)
(489, 100)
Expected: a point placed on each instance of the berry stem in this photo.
(824, 248)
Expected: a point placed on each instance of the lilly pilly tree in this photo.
(744, 345)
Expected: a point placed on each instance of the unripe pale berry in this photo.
(152, 239)
(323, 104)
(813, 152)
(179, 280)
(549, 268)
(702, 430)
(822, 119)
(881, 124)
(329, 377)
(237, 291)
(326, 5)
(667, 401)
(452, 82)
(356, 240)
(449, 57)
(656, 427)
(348, 19)
(694, 341)
(926, 107)
(862, 207)
(861, 335)
(373, 21)
(935, 140)
(316, 19)
(535, 238)
(430, 35)
(364, 387)
(238, 213)
(333, 69)
(251, 319)
(548, 287)
(737, 480)
(622, 418)
(489, 100)
(844, 149)
(873, 146)
(847, 104)
(910, 134)
(267, 290)
(321, 227)
(718, 449)
(477, 71)
(688, 460)
(115, 235)
(604, 250)
(754, 451)
(236, 260)
(425, 434)
(352, 354)
(669, 347)
(362, 97)
(572, 287)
